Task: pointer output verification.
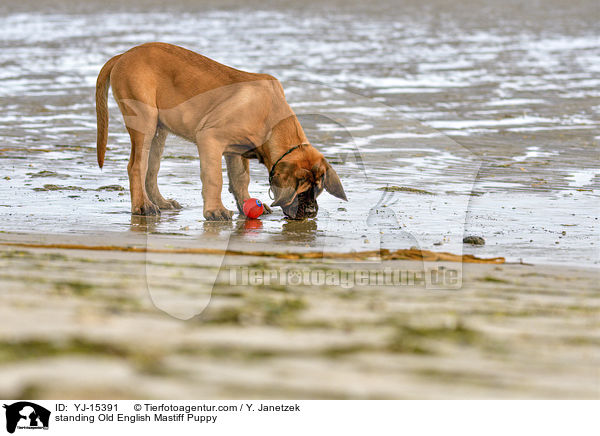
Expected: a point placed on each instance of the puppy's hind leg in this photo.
(137, 168)
(156, 151)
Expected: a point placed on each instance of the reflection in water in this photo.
(249, 226)
(299, 231)
(216, 227)
(140, 223)
(144, 224)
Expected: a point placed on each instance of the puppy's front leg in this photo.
(239, 178)
(211, 153)
(238, 172)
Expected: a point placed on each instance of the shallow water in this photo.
(492, 110)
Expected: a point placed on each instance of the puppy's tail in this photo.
(102, 85)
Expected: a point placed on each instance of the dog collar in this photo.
(272, 171)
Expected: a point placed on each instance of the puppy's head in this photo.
(298, 179)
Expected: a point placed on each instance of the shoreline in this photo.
(185, 244)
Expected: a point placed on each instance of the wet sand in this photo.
(83, 324)
(491, 108)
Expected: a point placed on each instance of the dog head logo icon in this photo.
(26, 415)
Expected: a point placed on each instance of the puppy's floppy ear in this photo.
(283, 197)
(332, 183)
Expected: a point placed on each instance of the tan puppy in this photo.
(161, 88)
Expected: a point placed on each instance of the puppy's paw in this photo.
(268, 210)
(218, 214)
(146, 209)
(172, 204)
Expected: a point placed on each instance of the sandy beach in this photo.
(83, 324)
(443, 120)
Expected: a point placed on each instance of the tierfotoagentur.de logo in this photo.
(25, 415)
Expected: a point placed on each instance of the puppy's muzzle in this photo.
(304, 206)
